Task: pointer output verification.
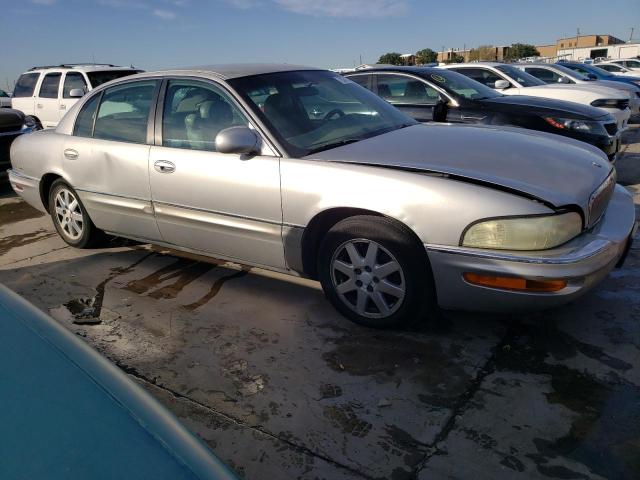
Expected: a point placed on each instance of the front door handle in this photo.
(63, 107)
(71, 154)
(163, 166)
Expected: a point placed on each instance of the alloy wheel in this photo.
(69, 214)
(368, 278)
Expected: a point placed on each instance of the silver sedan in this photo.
(302, 171)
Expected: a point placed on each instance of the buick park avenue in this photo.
(305, 172)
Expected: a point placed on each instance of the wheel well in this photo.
(45, 186)
(317, 229)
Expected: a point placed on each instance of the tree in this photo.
(391, 58)
(426, 55)
(522, 50)
(455, 58)
(483, 52)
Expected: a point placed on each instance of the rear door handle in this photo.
(163, 166)
(71, 154)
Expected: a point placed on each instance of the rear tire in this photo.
(376, 273)
(70, 218)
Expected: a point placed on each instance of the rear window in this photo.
(98, 78)
(26, 85)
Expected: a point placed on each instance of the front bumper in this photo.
(621, 116)
(584, 262)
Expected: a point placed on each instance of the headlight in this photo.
(29, 124)
(606, 103)
(523, 233)
(577, 125)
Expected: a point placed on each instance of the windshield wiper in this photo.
(329, 146)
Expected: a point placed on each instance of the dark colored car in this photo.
(595, 73)
(70, 414)
(12, 124)
(435, 94)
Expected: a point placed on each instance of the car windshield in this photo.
(571, 73)
(98, 78)
(523, 78)
(585, 69)
(312, 111)
(460, 85)
(633, 63)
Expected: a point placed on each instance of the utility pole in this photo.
(360, 59)
(576, 47)
(631, 36)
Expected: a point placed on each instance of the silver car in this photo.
(302, 171)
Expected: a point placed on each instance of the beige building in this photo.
(582, 41)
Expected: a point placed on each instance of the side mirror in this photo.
(563, 80)
(76, 93)
(239, 140)
(501, 85)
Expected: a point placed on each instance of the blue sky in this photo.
(154, 34)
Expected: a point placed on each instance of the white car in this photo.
(553, 73)
(5, 99)
(510, 80)
(629, 63)
(616, 69)
(46, 93)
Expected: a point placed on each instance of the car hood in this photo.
(549, 106)
(602, 92)
(617, 85)
(536, 164)
(10, 120)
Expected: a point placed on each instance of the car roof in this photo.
(236, 70)
(392, 68)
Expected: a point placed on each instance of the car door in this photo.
(409, 94)
(226, 205)
(106, 159)
(48, 99)
(72, 80)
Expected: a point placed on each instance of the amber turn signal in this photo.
(515, 283)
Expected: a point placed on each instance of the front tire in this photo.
(376, 273)
(70, 218)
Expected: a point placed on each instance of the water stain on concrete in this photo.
(185, 271)
(17, 211)
(14, 241)
(605, 432)
(215, 289)
(397, 358)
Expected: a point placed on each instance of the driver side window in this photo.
(403, 90)
(194, 113)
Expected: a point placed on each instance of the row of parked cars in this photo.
(306, 172)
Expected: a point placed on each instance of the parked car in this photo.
(428, 94)
(552, 73)
(73, 415)
(13, 123)
(303, 171)
(630, 63)
(596, 73)
(5, 99)
(46, 93)
(616, 69)
(510, 80)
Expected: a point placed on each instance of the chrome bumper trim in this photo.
(592, 249)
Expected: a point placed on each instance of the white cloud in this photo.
(243, 4)
(48, 3)
(345, 8)
(164, 14)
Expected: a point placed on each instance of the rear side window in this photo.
(50, 85)
(26, 85)
(124, 112)
(73, 80)
(399, 89)
(86, 118)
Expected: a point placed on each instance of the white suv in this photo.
(46, 93)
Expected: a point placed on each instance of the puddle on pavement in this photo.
(215, 289)
(14, 241)
(605, 432)
(184, 271)
(17, 211)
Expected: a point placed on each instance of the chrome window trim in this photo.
(590, 250)
(415, 77)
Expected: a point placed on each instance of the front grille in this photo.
(612, 128)
(600, 199)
